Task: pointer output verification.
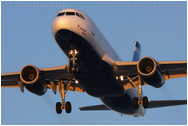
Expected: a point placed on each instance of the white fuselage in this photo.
(96, 40)
(85, 28)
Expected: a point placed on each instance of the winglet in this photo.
(137, 52)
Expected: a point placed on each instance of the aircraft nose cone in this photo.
(59, 23)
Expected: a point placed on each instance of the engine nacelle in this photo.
(147, 68)
(30, 77)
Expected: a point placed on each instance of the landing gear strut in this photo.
(138, 100)
(72, 65)
(63, 105)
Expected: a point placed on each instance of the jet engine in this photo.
(148, 69)
(30, 77)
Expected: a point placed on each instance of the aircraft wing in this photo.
(52, 73)
(173, 69)
(169, 70)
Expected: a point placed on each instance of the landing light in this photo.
(121, 78)
(71, 52)
(76, 81)
(75, 51)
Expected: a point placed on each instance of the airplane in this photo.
(95, 68)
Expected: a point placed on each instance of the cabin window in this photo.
(61, 14)
(92, 33)
(70, 13)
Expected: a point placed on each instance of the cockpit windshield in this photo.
(80, 16)
(61, 14)
(71, 14)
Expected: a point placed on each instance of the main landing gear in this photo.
(138, 100)
(72, 65)
(63, 105)
(64, 86)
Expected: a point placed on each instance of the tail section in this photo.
(137, 52)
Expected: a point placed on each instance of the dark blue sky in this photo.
(26, 38)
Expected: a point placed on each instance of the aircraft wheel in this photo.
(68, 107)
(135, 102)
(58, 108)
(145, 102)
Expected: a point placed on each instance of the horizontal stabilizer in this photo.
(166, 103)
(94, 108)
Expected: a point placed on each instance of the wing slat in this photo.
(10, 76)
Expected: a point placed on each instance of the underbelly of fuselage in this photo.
(124, 104)
(95, 75)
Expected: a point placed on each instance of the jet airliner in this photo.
(95, 68)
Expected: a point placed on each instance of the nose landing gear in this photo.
(72, 65)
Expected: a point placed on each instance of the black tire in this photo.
(68, 107)
(58, 108)
(145, 102)
(135, 102)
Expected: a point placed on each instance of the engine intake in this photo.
(30, 77)
(147, 68)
